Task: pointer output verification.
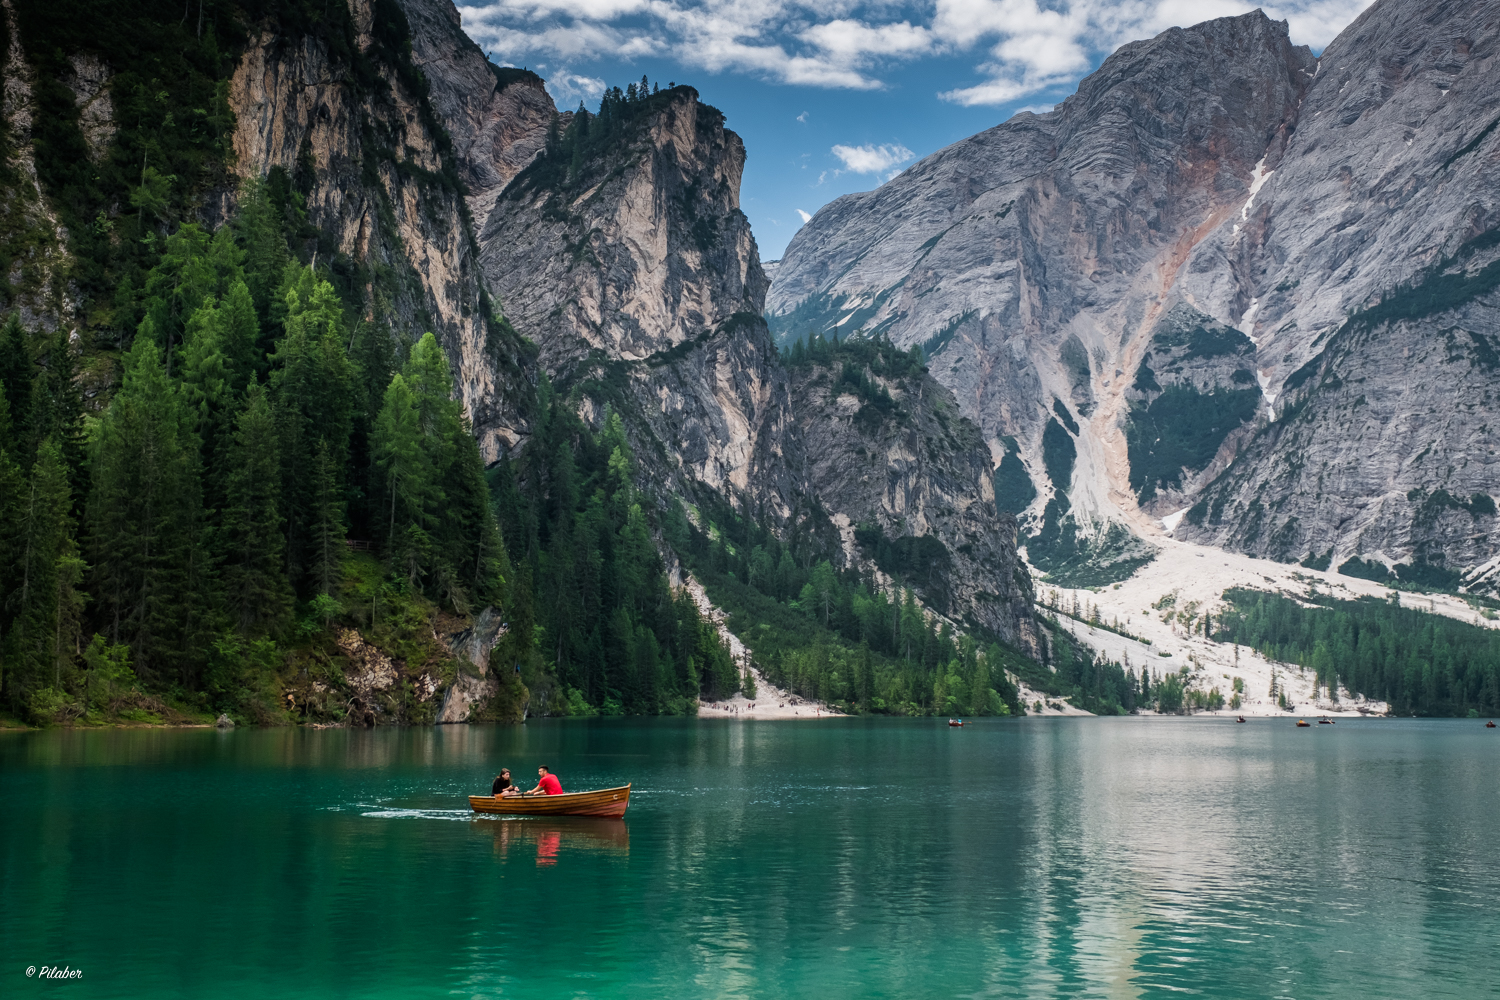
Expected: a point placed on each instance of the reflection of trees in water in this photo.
(550, 835)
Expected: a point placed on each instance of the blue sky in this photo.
(833, 96)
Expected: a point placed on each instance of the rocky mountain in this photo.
(621, 252)
(608, 251)
(496, 117)
(383, 181)
(327, 102)
(1196, 290)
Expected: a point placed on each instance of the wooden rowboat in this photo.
(601, 802)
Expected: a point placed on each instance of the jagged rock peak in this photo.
(497, 116)
(626, 236)
(1032, 260)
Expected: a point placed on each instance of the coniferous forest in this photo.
(1422, 664)
(272, 470)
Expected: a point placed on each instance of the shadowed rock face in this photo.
(1222, 170)
(497, 118)
(296, 108)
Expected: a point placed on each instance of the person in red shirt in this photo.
(547, 783)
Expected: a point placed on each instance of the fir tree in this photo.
(17, 372)
(145, 513)
(313, 391)
(327, 523)
(57, 412)
(42, 545)
(259, 231)
(253, 567)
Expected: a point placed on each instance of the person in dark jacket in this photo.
(503, 785)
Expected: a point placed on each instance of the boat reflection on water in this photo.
(550, 835)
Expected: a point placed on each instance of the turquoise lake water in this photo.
(841, 858)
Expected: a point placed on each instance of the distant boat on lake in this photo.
(1240, 719)
(1325, 722)
(955, 722)
(1303, 724)
(610, 802)
(1490, 724)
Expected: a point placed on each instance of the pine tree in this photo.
(42, 544)
(17, 373)
(256, 591)
(328, 523)
(57, 412)
(239, 337)
(399, 456)
(194, 266)
(208, 391)
(313, 391)
(261, 234)
(145, 516)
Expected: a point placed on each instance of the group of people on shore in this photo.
(546, 784)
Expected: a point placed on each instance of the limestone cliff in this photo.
(381, 182)
(497, 117)
(1366, 273)
(621, 251)
(1186, 260)
(1032, 261)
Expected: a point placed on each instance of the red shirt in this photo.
(550, 785)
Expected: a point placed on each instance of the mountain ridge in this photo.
(1255, 179)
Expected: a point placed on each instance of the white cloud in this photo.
(806, 218)
(872, 159)
(855, 40)
(1020, 47)
(568, 88)
(802, 118)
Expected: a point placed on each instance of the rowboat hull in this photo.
(608, 802)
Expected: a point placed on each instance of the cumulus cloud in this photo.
(1018, 48)
(567, 87)
(872, 159)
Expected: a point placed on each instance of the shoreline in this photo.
(772, 713)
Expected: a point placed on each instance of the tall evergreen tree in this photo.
(145, 514)
(404, 466)
(313, 390)
(17, 372)
(57, 412)
(327, 549)
(42, 545)
(194, 266)
(261, 234)
(257, 595)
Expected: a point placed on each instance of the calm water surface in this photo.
(843, 858)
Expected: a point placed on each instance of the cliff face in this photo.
(1033, 261)
(496, 117)
(629, 262)
(379, 177)
(33, 242)
(885, 447)
(1366, 273)
(1165, 255)
(623, 254)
